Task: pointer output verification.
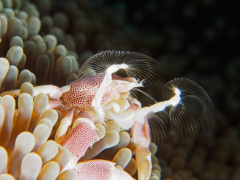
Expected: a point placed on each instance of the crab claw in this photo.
(100, 169)
(82, 136)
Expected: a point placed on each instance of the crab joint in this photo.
(158, 106)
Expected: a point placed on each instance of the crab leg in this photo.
(141, 134)
(141, 113)
(141, 137)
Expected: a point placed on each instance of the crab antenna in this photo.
(96, 103)
(146, 94)
(141, 113)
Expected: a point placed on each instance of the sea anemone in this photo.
(25, 153)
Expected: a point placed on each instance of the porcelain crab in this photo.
(103, 93)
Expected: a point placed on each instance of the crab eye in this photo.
(193, 116)
(140, 66)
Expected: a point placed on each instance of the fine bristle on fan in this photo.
(140, 66)
(193, 116)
